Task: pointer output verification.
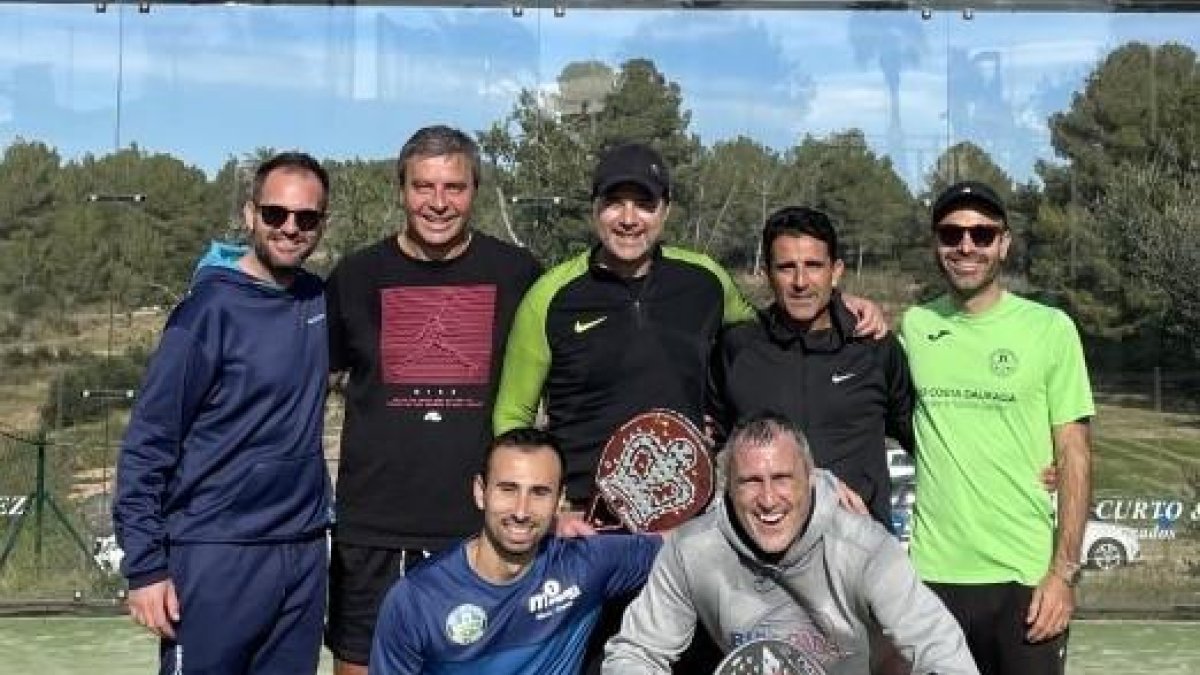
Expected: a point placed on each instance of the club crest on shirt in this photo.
(466, 624)
(1004, 362)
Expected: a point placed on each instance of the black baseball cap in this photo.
(634, 163)
(968, 192)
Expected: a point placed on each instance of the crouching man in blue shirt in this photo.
(514, 598)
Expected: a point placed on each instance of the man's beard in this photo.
(277, 270)
(973, 287)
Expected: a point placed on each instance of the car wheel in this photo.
(1106, 554)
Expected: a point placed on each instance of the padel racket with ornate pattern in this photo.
(768, 657)
(654, 473)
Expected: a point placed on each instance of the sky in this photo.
(210, 82)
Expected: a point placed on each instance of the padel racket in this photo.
(768, 657)
(655, 473)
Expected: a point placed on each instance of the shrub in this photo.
(104, 378)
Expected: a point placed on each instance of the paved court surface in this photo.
(113, 646)
(82, 646)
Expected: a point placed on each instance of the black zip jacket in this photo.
(600, 349)
(844, 392)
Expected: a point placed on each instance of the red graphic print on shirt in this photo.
(436, 336)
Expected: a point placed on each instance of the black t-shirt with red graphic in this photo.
(423, 342)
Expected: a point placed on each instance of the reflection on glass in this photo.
(1086, 122)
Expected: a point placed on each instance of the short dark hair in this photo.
(798, 221)
(292, 160)
(437, 141)
(526, 439)
(760, 429)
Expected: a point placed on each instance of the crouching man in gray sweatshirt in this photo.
(777, 558)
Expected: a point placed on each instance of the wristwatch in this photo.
(1069, 572)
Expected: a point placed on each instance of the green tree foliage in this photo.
(1072, 262)
(646, 107)
(1135, 124)
(1129, 137)
(860, 191)
(230, 188)
(1140, 106)
(68, 243)
(363, 207)
(109, 377)
(131, 253)
(540, 157)
(29, 174)
(540, 164)
(732, 190)
(28, 179)
(583, 86)
(150, 244)
(967, 161)
(1156, 243)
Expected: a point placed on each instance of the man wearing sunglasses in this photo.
(222, 494)
(1002, 391)
(418, 321)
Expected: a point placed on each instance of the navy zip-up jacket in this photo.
(224, 445)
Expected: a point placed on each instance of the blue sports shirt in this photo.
(443, 618)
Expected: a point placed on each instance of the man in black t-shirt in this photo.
(418, 322)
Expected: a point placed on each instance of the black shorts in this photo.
(359, 578)
(993, 618)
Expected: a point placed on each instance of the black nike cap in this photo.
(967, 193)
(634, 163)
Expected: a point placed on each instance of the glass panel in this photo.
(59, 73)
(59, 109)
(129, 138)
(1081, 114)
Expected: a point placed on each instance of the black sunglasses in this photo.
(274, 215)
(981, 235)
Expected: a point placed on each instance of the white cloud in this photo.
(476, 61)
(1039, 57)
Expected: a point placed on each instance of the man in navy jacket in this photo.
(222, 494)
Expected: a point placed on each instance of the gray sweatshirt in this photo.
(844, 578)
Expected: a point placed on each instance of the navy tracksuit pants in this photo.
(247, 609)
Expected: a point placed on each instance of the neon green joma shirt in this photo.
(990, 389)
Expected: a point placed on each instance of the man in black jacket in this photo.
(801, 359)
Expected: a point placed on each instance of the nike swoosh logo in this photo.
(315, 319)
(582, 326)
(934, 337)
(838, 378)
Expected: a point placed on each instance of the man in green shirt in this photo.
(1002, 391)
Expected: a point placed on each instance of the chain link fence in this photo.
(56, 539)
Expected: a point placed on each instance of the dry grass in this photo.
(1166, 578)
